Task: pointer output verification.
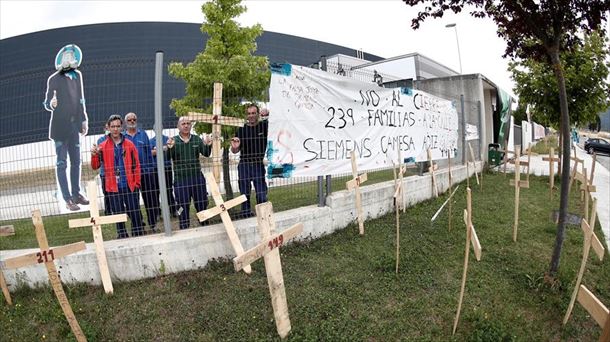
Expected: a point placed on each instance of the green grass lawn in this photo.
(343, 286)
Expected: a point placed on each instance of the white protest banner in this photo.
(317, 119)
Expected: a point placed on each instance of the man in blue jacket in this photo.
(150, 185)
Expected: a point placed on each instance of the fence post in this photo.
(323, 65)
(482, 132)
(329, 189)
(159, 141)
(321, 198)
(463, 129)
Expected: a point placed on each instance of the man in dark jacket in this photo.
(66, 102)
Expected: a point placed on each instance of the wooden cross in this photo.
(6, 231)
(399, 172)
(551, 159)
(96, 221)
(528, 162)
(433, 166)
(517, 183)
(355, 184)
(46, 256)
(597, 310)
(268, 248)
(471, 238)
(217, 120)
(398, 201)
(593, 167)
(589, 240)
(450, 213)
(222, 208)
(474, 163)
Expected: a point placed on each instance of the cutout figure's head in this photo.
(68, 58)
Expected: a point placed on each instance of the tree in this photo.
(228, 59)
(586, 72)
(537, 30)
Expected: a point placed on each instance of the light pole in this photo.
(457, 42)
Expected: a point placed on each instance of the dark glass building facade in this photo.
(118, 70)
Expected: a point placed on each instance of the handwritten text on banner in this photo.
(317, 119)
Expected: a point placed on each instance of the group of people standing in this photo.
(126, 158)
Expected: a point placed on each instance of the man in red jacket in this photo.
(119, 158)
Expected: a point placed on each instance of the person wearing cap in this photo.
(119, 158)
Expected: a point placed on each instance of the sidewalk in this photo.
(601, 180)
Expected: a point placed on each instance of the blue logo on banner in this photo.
(282, 69)
(406, 91)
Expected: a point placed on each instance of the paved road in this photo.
(604, 160)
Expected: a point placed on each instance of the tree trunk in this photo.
(565, 160)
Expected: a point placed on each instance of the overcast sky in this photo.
(381, 27)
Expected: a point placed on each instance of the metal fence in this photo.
(29, 164)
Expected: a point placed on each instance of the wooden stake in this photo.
(222, 208)
(217, 121)
(398, 199)
(5, 291)
(593, 168)
(551, 159)
(47, 256)
(589, 239)
(575, 169)
(597, 310)
(471, 238)
(517, 183)
(268, 248)
(7, 230)
(95, 221)
(450, 213)
(355, 184)
(474, 164)
(431, 169)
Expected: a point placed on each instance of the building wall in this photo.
(118, 70)
(471, 86)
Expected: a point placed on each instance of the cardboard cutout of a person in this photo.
(65, 100)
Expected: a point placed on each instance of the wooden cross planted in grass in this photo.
(217, 120)
(551, 159)
(433, 167)
(222, 208)
(517, 183)
(471, 237)
(597, 310)
(47, 256)
(96, 221)
(268, 248)
(589, 240)
(6, 231)
(398, 201)
(355, 184)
